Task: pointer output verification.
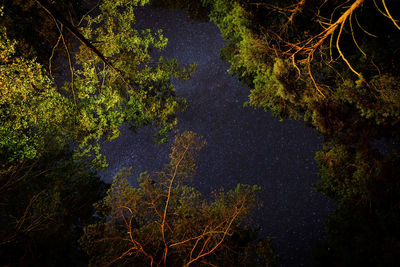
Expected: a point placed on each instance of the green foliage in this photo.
(164, 220)
(277, 49)
(45, 196)
(259, 49)
(274, 83)
(355, 174)
(379, 101)
(363, 231)
(46, 192)
(35, 31)
(276, 90)
(99, 99)
(33, 113)
(145, 96)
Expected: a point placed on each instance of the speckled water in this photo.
(243, 145)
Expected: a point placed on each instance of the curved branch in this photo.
(389, 15)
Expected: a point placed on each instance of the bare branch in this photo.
(167, 202)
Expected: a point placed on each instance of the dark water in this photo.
(243, 145)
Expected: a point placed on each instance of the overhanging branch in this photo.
(54, 13)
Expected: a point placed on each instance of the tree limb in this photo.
(52, 12)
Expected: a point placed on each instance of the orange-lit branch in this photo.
(309, 46)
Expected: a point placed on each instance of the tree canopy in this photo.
(54, 115)
(113, 83)
(334, 64)
(164, 222)
(72, 72)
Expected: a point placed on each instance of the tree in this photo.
(115, 81)
(45, 203)
(46, 191)
(363, 231)
(335, 64)
(33, 113)
(294, 56)
(164, 222)
(34, 30)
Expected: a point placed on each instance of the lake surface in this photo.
(243, 145)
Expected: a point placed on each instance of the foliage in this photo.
(124, 86)
(45, 196)
(33, 113)
(44, 205)
(32, 28)
(335, 64)
(143, 96)
(356, 174)
(363, 231)
(165, 222)
(46, 191)
(262, 38)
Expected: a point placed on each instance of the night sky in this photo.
(243, 145)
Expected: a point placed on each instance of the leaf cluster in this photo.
(33, 113)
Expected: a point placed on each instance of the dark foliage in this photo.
(44, 205)
(335, 64)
